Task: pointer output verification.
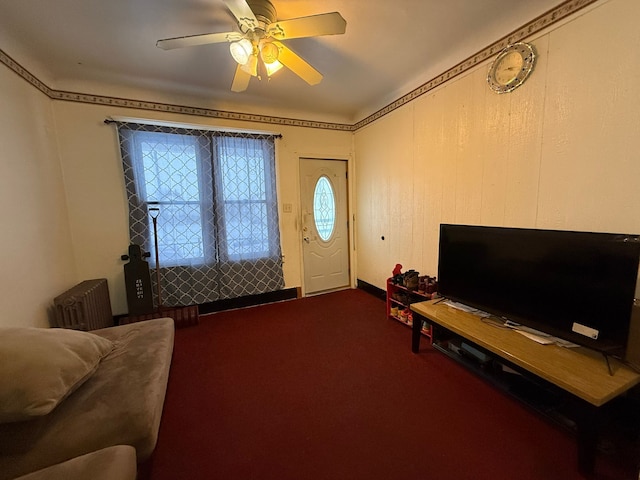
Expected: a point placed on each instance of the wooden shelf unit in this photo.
(401, 298)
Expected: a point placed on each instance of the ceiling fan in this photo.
(258, 47)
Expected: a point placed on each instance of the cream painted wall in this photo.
(556, 153)
(35, 249)
(559, 152)
(94, 184)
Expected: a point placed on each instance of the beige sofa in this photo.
(111, 463)
(116, 399)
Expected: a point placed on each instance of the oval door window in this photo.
(324, 208)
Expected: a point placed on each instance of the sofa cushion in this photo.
(121, 404)
(39, 367)
(111, 463)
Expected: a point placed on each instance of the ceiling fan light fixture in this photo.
(269, 53)
(251, 66)
(272, 67)
(241, 51)
(257, 47)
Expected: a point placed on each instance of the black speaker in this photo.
(632, 354)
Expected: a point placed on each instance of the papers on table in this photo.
(538, 336)
(532, 334)
(466, 308)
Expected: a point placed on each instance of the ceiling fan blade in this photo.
(240, 80)
(243, 13)
(313, 26)
(192, 40)
(297, 65)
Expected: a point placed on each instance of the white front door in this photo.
(325, 229)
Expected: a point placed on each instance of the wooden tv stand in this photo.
(581, 372)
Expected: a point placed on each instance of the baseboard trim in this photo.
(248, 301)
(372, 289)
(263, 298)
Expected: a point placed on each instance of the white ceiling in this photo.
(389, 48)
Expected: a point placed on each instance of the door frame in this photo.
(350, 216)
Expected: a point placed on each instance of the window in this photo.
(324, 208)
(169, 179)
(244, 195)
(213, 196)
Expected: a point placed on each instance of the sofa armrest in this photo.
(112, 463)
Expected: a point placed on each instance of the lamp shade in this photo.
(269, 53)
(251, 66)
(272, 67)
(241, 51)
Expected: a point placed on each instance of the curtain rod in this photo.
(109, 121)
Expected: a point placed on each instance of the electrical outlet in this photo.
(287, 207)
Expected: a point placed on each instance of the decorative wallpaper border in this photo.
(24, 73)
(552, 16)
(200, 112)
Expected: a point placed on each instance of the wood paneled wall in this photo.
(559, 152)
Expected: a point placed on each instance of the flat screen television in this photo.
(578, 286)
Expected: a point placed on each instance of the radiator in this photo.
(182, 316)
(84, 307)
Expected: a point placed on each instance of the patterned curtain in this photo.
(214, 198)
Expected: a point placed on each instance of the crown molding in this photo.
(538, 24)
(25, 74)
(200, 112)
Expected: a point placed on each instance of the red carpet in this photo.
(327, 388)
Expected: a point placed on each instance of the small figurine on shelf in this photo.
(427, 286)
(432, 286)
(400, 297)
(426, 328)
(398, 277)
(422, 284)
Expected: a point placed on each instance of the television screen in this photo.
(578, 286)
